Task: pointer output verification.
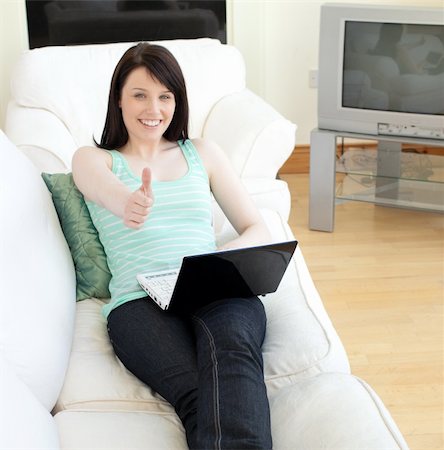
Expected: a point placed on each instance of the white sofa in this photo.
(61, 384)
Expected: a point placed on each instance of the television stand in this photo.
(385, 184)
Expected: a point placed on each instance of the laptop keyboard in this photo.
(162, 286)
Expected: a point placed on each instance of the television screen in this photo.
(393, 67)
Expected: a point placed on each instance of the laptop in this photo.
(204, 278)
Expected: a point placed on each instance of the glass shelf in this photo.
(419, 183)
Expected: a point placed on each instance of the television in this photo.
(381, 70)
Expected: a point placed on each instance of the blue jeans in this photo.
(208, 366)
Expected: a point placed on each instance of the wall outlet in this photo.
(313, 78)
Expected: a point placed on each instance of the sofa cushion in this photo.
(300, 341)
(37, 280)
(114, 430)
(92, 272)
(327, 411)
(96, 379)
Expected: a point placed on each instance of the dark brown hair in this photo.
(164, 67)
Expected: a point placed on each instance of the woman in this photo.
(148, 188)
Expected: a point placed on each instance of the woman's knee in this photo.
(234, 324)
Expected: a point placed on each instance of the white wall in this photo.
(13, 40)
(278, 38)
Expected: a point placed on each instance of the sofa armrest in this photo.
(20, 410)
(257, 139)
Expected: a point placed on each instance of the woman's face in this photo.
(147, 106)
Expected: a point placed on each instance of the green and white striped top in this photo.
(179, 224)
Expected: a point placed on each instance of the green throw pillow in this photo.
(92, 272)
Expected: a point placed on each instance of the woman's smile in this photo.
(150, 123)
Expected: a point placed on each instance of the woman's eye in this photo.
(165, 97)
(140, 96)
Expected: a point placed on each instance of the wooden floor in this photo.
(381, 277)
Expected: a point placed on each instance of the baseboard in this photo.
(299, 160)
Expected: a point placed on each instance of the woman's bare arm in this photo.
(232, 197)
(91, 168)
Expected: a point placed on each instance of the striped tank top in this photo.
(179, 224)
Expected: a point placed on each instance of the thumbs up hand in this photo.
(139, 203)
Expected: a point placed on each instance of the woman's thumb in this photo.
(146, 181)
